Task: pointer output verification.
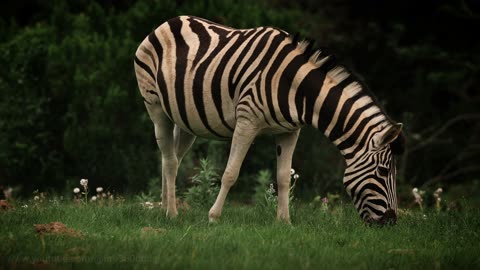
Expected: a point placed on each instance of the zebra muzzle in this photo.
(388, 218)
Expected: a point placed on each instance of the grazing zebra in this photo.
(199, 78)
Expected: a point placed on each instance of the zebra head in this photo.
(370, 177)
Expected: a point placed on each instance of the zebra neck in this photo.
(346, 113)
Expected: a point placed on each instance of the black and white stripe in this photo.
(206, 76)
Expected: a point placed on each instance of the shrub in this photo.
(205, 188)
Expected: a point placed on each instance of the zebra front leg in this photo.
(243, 137)
(285, 146)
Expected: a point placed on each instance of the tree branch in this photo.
(442, 129)
(453, 174)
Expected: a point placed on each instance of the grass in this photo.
(246, 238)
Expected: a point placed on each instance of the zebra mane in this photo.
(319, 57)
(337, 71)
(315, 56)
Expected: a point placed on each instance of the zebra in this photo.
(200, 78)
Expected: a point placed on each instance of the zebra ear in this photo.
(398, 145)
(389, 135)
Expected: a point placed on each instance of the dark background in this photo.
(70, 107)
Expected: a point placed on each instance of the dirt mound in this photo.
(56, 228)
(153, 230)
(4, 205)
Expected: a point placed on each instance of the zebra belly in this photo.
(202, 131)
(202, 119)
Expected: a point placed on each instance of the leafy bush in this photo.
(264, 191)
(205, 189)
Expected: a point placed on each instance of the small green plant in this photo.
(100, 197)
(145, 197)
(153, 193)
(271, 201)
(265, 191)
(155, 187)
(39, 198)
(325, 203)
(294, 180)
(205, 188)
(263, 178)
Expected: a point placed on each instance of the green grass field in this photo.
(246, 238)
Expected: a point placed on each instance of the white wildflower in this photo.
(436, 195)
(148, 205)
(417, 194)
(25, 206)
(271, 190)
(76, 190)
(292, 171)
(296, 176)
(36, 198)
(84, 182)
(99, 189)
(94, 198)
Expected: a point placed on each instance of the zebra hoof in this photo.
(163, 206)
(171, 214)
(284, 221)
(213, 220)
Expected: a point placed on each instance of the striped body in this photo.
(207, 77)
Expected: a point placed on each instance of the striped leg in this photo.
(183, 141)
(285, 146)
(164, 191)
(243, 137)
(165, 140)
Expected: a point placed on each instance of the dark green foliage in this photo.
(31, 111)
(70, 106)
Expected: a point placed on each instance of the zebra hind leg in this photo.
(183, 143)
(285, 146)
(165, 141)
(243, 137)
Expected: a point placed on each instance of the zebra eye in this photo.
(382, 171)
